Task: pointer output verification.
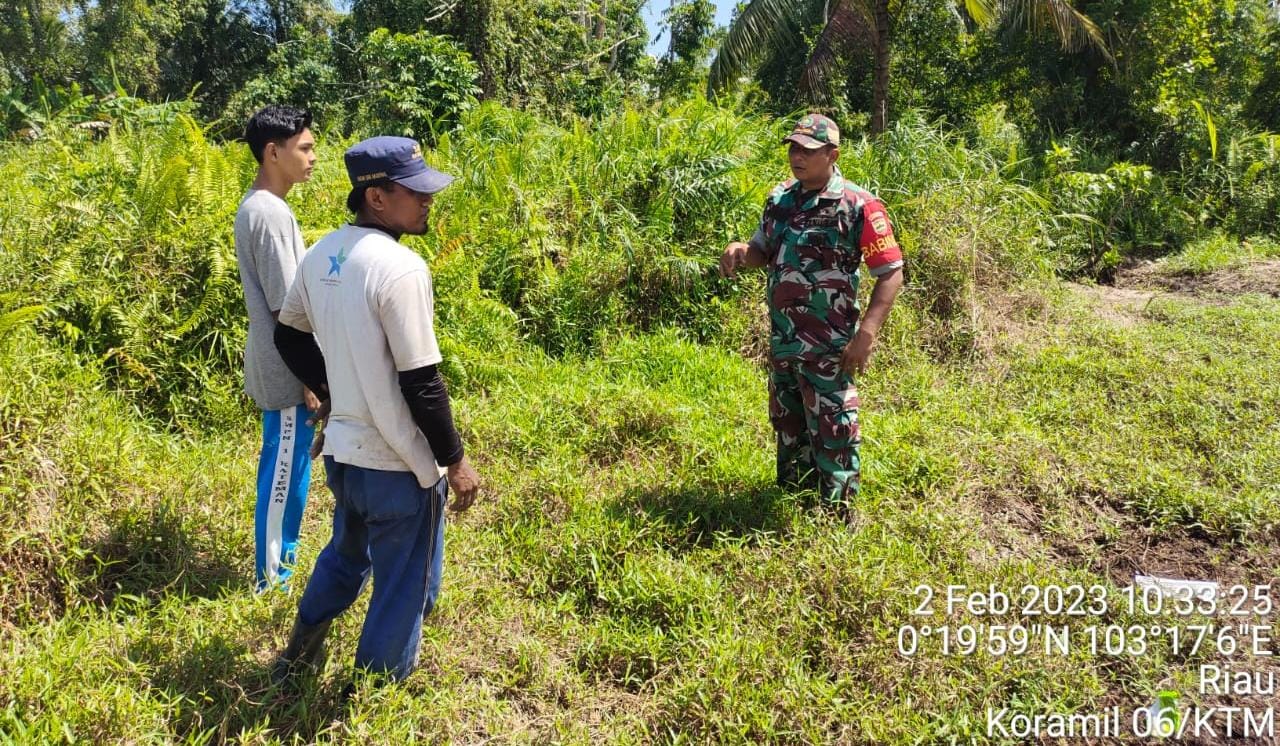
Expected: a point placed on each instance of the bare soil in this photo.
(1257, 277)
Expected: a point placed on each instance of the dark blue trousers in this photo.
(383, 523)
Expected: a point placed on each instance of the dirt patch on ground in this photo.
(1009, 318)
(1101, 537)
(1135, 287)
(1107, 541)
(1257, 277)
(1181, 553)
(1119, 305)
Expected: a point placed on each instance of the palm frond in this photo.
(11, 320)
(1075, 30)
(762, 24)
(983, 12)
(851, 23)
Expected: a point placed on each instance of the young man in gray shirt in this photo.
(268, 249)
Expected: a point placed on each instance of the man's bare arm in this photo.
(858, 352)
(738, 254)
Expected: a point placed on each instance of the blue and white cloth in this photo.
(284, 476)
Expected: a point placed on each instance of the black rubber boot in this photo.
(303, 650)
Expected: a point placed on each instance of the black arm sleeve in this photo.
(428, 401)
(302, 355)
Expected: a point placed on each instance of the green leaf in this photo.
(1213, 129)
(762, 24)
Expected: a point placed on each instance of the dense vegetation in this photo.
(1077, 384)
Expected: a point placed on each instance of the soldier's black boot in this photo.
(303, 650)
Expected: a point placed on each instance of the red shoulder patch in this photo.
(878, 244)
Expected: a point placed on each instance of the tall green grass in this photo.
(560, 235)
(127, 245)
(1219, 252)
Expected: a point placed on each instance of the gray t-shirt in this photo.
(268, 249)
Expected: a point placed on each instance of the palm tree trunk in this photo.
(477, 18)
(280, 30)
(880, 83)
(36, 18)
(603, 13)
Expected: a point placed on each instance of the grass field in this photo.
(630, 573)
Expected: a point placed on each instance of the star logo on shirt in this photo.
(335, 262)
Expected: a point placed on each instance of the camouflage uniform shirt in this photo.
(813, 243)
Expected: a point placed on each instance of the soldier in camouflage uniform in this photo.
(815, 231)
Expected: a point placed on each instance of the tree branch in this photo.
(601, 53)
(439, 15)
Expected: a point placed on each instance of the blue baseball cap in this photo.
(398, 159)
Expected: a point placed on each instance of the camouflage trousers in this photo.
(814, 410)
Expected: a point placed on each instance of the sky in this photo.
(652, 14)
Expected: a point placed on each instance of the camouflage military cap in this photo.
(814, 131)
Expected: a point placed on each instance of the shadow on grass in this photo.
(704, 515)
(31, 589)
(151, 553)
(225, 691)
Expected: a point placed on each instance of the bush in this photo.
(128, 243)
(419, 84)
(1125, 210)
(1244, 185)
(561, 236)
(303, 73)
(72, 113)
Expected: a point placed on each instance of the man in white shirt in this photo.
(268, 249)
(391, 450)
